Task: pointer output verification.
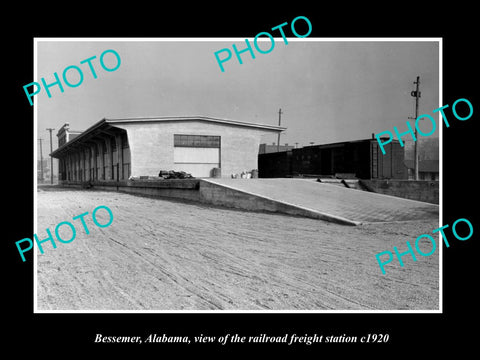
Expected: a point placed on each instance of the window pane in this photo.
(199, 141)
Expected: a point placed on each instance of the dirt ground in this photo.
(169, 255)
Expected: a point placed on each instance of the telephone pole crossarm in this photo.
(279, 122)
(416, 95)
(41, 160)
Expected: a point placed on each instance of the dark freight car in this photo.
(361, 159)
(275, 164)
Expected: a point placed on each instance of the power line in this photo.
(279, 122)
(51, 158)
(41, 160)
(416, 94)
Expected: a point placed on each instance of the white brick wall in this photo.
(151, 145)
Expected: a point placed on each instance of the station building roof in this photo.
(106, 127)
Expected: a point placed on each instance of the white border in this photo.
(440, 162)
(335, 39)
(35, 183)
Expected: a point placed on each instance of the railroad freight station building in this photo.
(118, 149)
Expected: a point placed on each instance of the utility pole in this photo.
(279, 122)
(41, 160)
(416, 94)
(51, 158)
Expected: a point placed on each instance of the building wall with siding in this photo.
(152, 145)
(275, 164)
(363, 159)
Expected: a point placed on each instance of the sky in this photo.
(328, 91)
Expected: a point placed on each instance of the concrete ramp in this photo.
(313, 199)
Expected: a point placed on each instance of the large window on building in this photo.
(62, 139)
(199, 141)
(196, 154)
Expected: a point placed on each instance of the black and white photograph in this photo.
(261, 187)
(214, 181)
